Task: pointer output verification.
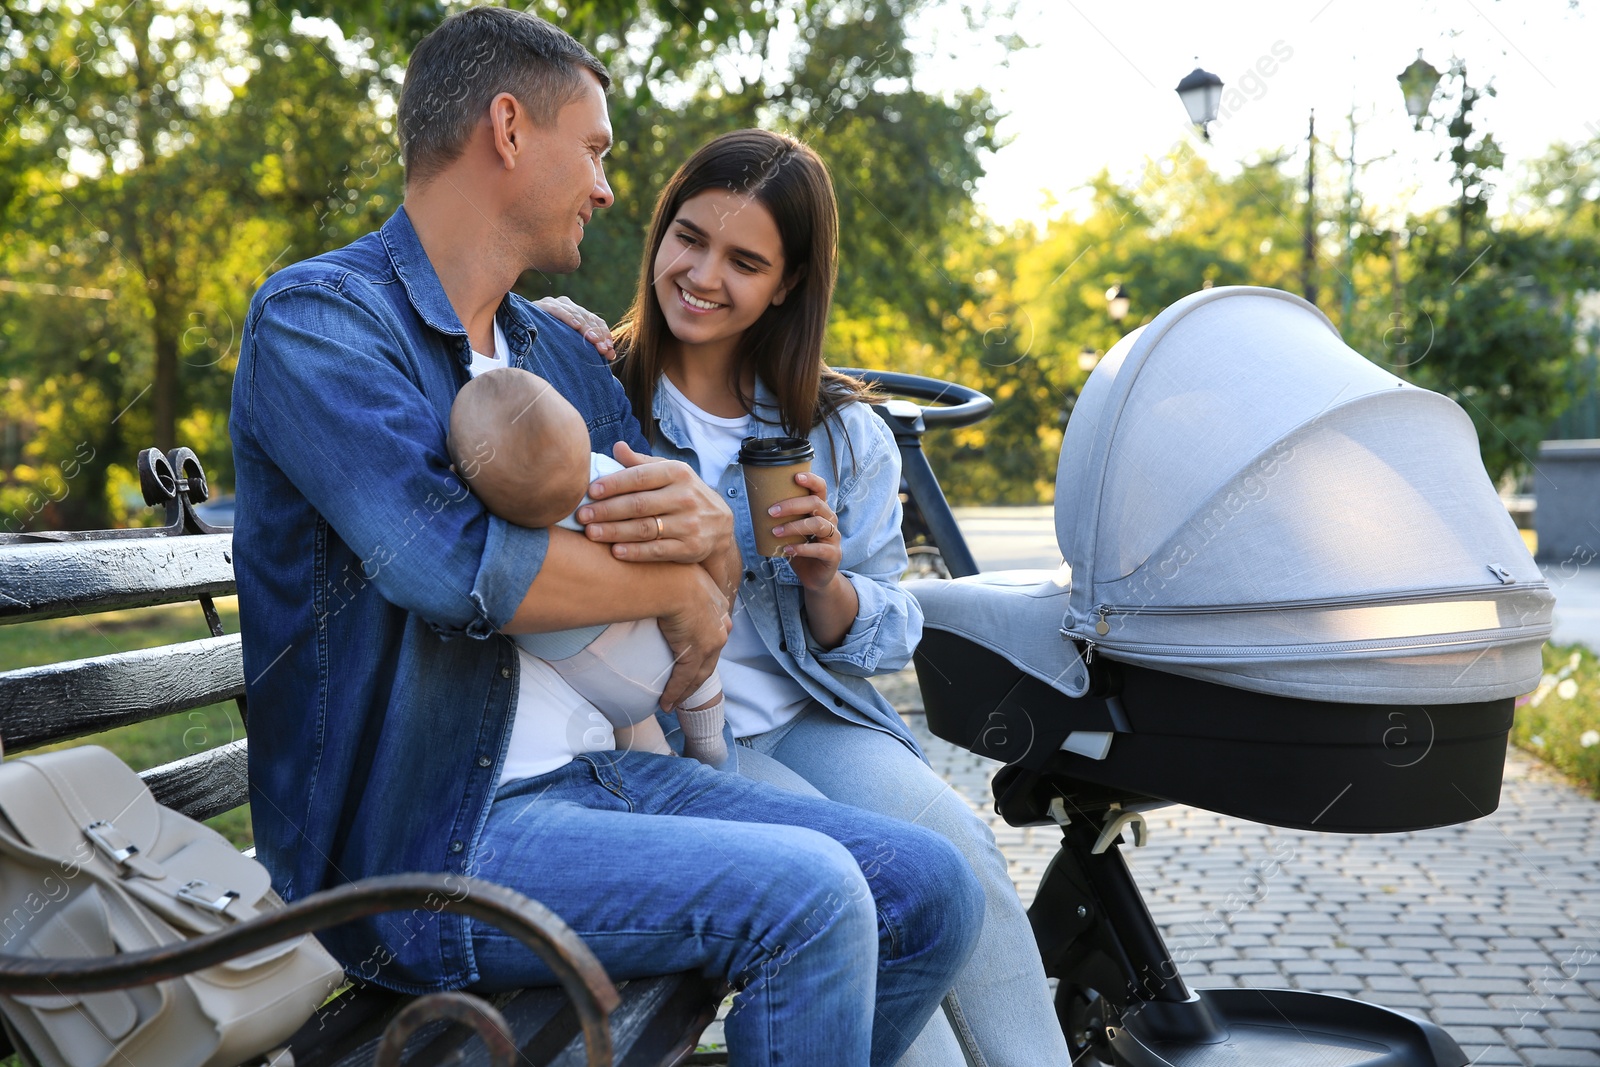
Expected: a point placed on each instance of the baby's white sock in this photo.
(702, 733)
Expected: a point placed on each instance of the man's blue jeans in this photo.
(842, 929)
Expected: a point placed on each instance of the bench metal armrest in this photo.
(581, 976)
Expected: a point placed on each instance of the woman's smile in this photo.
(694, 303)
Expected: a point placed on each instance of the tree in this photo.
(161, 160)
(149, 177)
(1500, 304)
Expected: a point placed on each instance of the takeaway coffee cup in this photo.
(770, 464)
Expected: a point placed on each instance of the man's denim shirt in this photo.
(372, 584)
(857, 455)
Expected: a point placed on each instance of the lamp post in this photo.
(1418, 82)
(1201, 93)
(1308, 260)
(1117, 304)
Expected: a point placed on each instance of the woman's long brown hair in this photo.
(784, 346)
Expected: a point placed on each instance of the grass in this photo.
(148, 744)
(1560, 721)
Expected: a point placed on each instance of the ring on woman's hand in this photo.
(660, 527)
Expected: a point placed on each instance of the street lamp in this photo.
(1117, 302)
(1088, 358)
(1201, 93)
(1418, 82)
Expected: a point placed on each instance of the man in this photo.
(393, 726)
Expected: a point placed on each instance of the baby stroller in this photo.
(1290, 595)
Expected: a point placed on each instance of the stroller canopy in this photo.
(1245, 499)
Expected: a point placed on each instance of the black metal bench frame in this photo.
(588, 1020)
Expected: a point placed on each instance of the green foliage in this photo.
(1506, 355)
(164, 161)
(1498, 305)
(158, 163)
(1560, 721)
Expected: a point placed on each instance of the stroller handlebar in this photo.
(958, 404)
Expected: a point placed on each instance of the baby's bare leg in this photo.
(643, 736)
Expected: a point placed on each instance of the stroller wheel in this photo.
(1083, 1019)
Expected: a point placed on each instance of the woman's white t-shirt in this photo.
(760, 695)
(551, 723)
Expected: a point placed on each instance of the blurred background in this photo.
(1019, 182)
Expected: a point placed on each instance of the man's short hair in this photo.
(468, 60)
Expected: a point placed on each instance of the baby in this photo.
(524, 450)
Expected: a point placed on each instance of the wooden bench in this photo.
(54, 575)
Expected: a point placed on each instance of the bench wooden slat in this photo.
(659, 1022)
(60, 701)
(345, 1026)
(50, 581)
(205, 784)
(657, 1017)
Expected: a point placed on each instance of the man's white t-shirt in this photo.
(551, 723)
(760, 695)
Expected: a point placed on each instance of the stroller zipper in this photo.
(1102, 611)
(1467, 639)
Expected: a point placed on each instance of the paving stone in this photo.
(1448, 1017)
(1462, 1000)
(1558, 1057)
(1396, 983)
(1474, 985)
(1424, 943)
(1411, 1003)
(1332, 954)
(1399, 955)
(1328, 983)
(1364, 968)
(1477, 1035)
(1237, 967)
(1533, 958)
(1493, 970)
(1491, 1056)
(1308, 966)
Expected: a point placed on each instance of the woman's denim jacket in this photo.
(858, 457)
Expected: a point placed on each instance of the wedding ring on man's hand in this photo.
(660, 527)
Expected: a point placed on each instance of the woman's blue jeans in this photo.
(840, 929)
(999, 1012)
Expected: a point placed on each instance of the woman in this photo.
(724, 340)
